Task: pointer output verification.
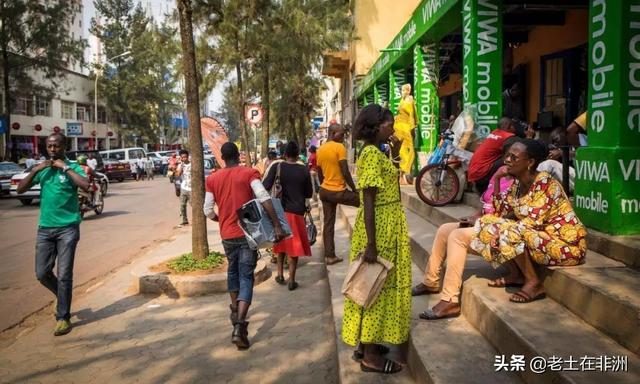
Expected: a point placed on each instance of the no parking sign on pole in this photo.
(253, 114)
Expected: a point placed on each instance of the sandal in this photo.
(421, 289)
(390, 367)
(293, 285)
(526, 298)
(280, 280)
(333, 260)
(358, 355)
(502, 282)
(429, 314)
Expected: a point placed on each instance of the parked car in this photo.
(33, 192)
(117, 170)
(73, 156)
(7, 170)
(128, 155)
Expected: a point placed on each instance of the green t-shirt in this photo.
(58, 196)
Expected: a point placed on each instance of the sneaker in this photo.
(62, 328)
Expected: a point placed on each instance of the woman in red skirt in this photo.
(296, 188)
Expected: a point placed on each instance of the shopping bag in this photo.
(256, 225)
(364, 281)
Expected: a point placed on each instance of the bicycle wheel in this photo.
(437, 184)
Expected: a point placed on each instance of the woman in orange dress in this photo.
(533, 222)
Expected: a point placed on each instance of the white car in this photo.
(27, 197)
(7, 170)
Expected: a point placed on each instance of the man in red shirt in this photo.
(230, 188)
(488, 156)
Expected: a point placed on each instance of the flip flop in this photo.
(333, 260)
(280, 280)
(358, 355)
(501, 282)
(429, 314)
(293, 285)
(390, 367)
(527, 299)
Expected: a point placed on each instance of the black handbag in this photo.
(312, 231)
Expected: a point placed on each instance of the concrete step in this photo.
(594, 291)
(544, 329)
(451, 351)
(625, 249)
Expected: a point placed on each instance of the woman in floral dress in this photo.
(380, 231)
(534, 222)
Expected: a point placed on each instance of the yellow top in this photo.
(328, 157)
(582, 121)
(406, 115)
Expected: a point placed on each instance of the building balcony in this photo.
(335, 64)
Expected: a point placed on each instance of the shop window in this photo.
(67, 110)
(43, 107)
(102, 116)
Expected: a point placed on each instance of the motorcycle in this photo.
(104, 182)
(93, 200)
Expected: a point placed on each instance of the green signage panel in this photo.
(482, 55)
(397, 78)
(607, 195)
(383, 93)
(422, 22)
(368, 98)
(376, 95)
(425, 65)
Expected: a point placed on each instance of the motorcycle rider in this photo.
(90, 194)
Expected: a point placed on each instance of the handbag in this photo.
(364, 281)
(312, 231)
(276, 188)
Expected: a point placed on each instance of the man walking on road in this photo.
(184, 171)
(59, 225)
(333, 172)
(230, 188)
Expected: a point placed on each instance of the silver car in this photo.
(7, 170)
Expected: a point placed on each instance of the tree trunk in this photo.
(199, 243)
(265, 107)
(243, 126)
(302, 137)
(5, 87)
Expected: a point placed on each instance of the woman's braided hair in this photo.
(369, 120)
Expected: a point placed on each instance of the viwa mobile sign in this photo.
(482, 56)
(425, 65)
(607, 195)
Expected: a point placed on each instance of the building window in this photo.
(84, 112)
(23, 106)
(67, 110)
(102, 116)
(43, 107)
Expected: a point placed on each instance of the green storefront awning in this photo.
(431, 21)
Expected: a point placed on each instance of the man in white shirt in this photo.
(184, 171)
(92, 162)
(30, 162)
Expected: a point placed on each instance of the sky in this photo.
(157, 9)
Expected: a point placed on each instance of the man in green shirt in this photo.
(59, 225)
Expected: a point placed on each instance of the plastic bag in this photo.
(256, 225)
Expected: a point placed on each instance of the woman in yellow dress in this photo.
(380, 231)
(404, 127)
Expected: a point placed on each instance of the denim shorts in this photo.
(242, 263)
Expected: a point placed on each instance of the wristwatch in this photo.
(65, 169)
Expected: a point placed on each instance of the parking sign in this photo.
(253, 114)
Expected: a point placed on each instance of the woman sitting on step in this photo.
(533, 222)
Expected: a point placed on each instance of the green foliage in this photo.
(140, 88)
(281, 42)
(35, 42)
(186, 262)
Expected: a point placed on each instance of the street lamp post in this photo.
(95, 100)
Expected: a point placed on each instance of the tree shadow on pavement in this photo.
(88, 316)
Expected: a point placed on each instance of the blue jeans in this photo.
(242, 263)
(57, 243)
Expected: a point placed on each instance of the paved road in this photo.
(136, 216)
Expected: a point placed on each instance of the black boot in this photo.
(239, 335)
(234, 314)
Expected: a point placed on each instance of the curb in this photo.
(146, 282)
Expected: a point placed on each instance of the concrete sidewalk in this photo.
(123, 337)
